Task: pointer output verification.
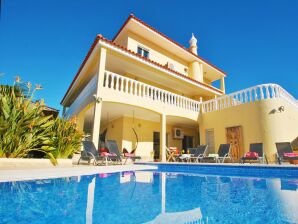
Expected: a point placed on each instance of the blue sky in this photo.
(45, 41)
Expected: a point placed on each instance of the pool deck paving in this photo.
(17, 174)
(33, 172)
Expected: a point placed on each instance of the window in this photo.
(143, 52)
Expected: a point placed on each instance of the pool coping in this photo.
(230, 169)
(60, 172)
(222, 164)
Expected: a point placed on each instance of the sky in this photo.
(253, 41)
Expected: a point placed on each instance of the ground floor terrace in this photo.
(141, 129)
(149, 119)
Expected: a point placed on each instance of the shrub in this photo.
(23, 128)
(66, 139)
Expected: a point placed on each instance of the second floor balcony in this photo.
(120, 89)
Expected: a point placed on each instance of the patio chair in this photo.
(256, 153)
(222, 155)
(285, 152)
(113, 148)
(199, 154)
(172, 154)
(90, 153)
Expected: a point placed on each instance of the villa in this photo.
(149, 93)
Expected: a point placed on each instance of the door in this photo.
(156, 144)
(210, 140)
(234, 137)
(187, 142)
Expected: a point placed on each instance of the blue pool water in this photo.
(151, 197)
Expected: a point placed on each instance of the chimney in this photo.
(193, 45)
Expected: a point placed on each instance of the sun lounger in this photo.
(285, 152)
(113, 148)
(199, 154)
(90, 153)
(223, 154)
(130, 155)
(256, 153)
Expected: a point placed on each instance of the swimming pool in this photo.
(161, 196)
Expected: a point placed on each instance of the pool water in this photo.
(150, 197)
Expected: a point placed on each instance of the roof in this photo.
(132, 16)
(111, 42)
(100, 37)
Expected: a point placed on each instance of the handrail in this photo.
(253, 94)
(139, 89)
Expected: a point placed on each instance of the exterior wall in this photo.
(259, 123)
(121, 131)
(81, 117)
(115, 131)
(157, 53)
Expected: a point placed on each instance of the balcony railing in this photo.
(81, 99)
(253, 94)
(144, 91)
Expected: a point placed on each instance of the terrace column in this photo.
(222, 84)
(98, 103)
(163, 137)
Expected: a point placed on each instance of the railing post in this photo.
(117, 82)
(126, 86)
(105, 79)
(267, 92)
(112, 81)
(256, 94)
(272, 90)
(261, 92)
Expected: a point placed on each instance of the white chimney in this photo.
(193, 44)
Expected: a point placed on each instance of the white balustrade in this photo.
(143, 90)
(253, 94)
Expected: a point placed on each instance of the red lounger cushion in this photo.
(251, 155)
(128, 154)
(290, 154)
(107, 154)
(103, 150)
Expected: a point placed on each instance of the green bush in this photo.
(24, 129)
(66, 138)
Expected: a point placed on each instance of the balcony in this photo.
(121, 89)
(249, 95)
